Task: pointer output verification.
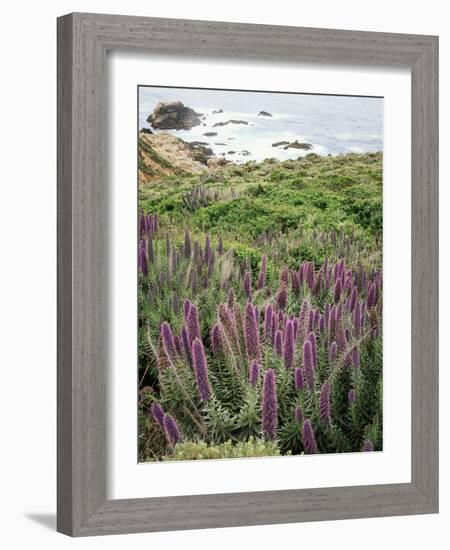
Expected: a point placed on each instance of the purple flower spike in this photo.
(289, 345)
(251, 333)
(193, 324)
(298, 379)
(351, 396)
(255, 369)
(262, 273)
(371, 295)
(171, 430)
(357, 318)
(158, 414)
(332, 353)
(353, 299)
(216, 339)
(308, 365)
(269, 405)
(337, 291)
(184, 337)
(201, 370)
(230, 299)
(187, 244)
(308, 438)
(268, 314)
(279, 342)
(368, 446)
(281, 297)
(168, 341)
(324, 404)
(312, 339)
(143, 262)
(355, 357)
(186, 308)
(247, 285)
(298, 414)
(284, 276)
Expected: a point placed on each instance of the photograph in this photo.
(260, 273)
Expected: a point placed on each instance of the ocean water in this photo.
(332, 124)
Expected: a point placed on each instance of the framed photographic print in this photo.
(247, 274)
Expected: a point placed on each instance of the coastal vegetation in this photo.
(260, 304)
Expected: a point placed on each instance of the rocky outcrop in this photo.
(264, 113)
(210, 134)
(232, 121)
(163, 154)
(216, 162)
(293, 145)
(173, 115)
(146, 131)
(218, 112)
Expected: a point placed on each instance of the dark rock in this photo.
(146, 131)
(210, 134)
(231, 152)
(223, 144)
(197, 143)
(217, 112)
(245, 153)
(297, 145)
(264, 113)
(199, 152)
(173, 115)
(232, 121)
(279, 143)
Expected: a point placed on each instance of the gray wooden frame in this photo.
(83, 40)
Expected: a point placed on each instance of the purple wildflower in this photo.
(168, 341)
(324, 404)
(312, 339)
(187, 244)
(308, 365)
(247, 285)
(351, 396)
(158, 414)
(357, 318)
(279, 342)
(355, 357)
(268, 314)
(251, 333)
(298, 414)
(289, 345)
(368, 446)
(284, 276)
(337, 291)
(193, 325)
(281, 297)
(255, 369)
(143, 261)
(371, 296)
(353, 299)
(308, 438)
(150, 252)
(216, 339)
(186, 308)
(262, 273)
(201, 370)
(171, 430)
(298, 379)
(269, 405)
(295, 282)
(184, 337)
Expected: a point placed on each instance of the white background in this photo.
(131, 480)
(28, 267)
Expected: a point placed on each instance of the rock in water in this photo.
(173, 115)
(264, 113)
(297, 145)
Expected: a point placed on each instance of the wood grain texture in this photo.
(83, 206)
